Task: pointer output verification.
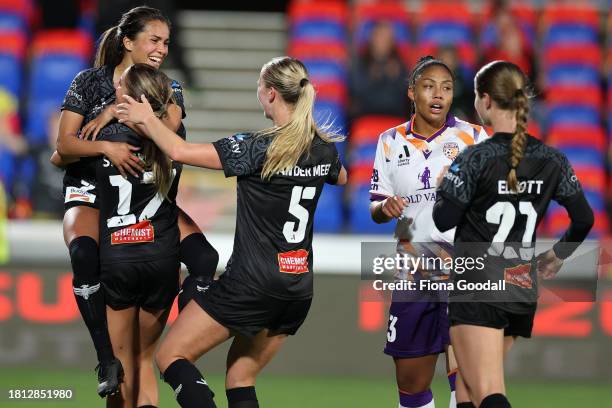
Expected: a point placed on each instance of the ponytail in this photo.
(110, 49)
(292, 140)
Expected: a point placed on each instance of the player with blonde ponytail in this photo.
(498, 192)
(266, 290)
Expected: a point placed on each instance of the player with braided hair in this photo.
(497, 193)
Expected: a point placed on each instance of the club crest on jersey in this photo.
(425, 178)
(294, 262)
(519, 276)
(451, 150)
(79, 194)
(134, 234)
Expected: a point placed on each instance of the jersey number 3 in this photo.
(292, 234)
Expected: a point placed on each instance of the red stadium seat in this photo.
(367, 128)
(591, 178)
(332, 91)
(74, 42)
(574, 54)
(13, 43)
(558, 221)
(304, 49)
(582, 95)
(570, 13)
(390, 10)
(23, 8)
(335, 10)
(574, 136)
(447, 10)
(361, 173)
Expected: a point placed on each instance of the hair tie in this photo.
(303, 82)
(518, 92)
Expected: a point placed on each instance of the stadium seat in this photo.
(569, 74)
(63, 41)
(367, 129)
(567, 53)
(326, 70)
(567, 136)
(566, 94)
(12, 52)
(574, 114)
(330, 10)
(360, 220)
(315, 49)
(526, 17)
(329, 216)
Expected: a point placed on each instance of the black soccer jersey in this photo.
(476, 182)
(273, 242)
(90, 92)
(136, 222)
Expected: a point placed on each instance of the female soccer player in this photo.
(498, 192)
(408, 158)
(139, 243)
(140, 37)
(265, 293)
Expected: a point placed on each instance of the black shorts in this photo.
(487, 315)
(151, 285)
(247, 311)
(79, 191)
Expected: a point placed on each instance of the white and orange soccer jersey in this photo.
(408, 164)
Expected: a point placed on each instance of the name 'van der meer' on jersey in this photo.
(274, 224)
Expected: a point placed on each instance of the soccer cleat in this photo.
(191, 285)
(110, 375)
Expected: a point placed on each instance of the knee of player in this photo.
(234, 379)
(84, 255)
(412, 382)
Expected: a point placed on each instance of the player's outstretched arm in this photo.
(195, 154)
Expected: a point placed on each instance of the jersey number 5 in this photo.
(292, 234)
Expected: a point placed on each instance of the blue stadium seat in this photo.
(318, 29)
(329, 215)
(573, 115)
(584, 155)
(12, 22)
(445, 32)
(360, 220)
(573, 74)
(565, 33)
(52, 74)
(11, 78)
(325, 70)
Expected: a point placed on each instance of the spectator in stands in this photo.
(378, 78)
(463, 91)
(511, 44)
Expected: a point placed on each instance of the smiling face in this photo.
(150, 45)
(432, 95)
